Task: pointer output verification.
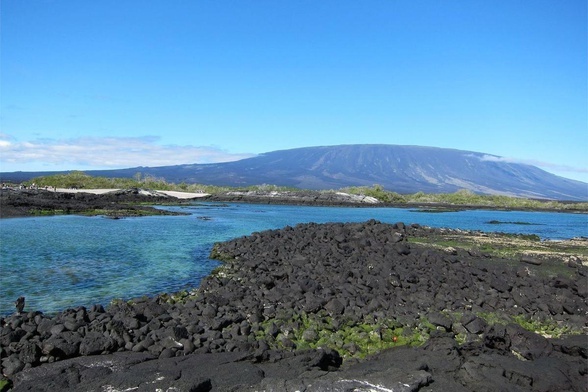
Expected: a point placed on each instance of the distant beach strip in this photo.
(179, 195)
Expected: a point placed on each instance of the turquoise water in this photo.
(67, 261)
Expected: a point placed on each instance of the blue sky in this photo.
(113, 84)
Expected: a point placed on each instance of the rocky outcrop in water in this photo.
(288, 304)
(126, 202)
(299, 197)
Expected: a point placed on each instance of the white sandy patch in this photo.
(184, 195)
(360, 198)
(179, 195)
(94, 191)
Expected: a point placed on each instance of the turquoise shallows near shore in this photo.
(67, 261)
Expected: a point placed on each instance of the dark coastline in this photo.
(288, 304)
(331, 199)
(15, 203)
(39, 202)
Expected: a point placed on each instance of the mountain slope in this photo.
(403, 169)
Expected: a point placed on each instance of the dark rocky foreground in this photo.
(31, 202)
(289, 304)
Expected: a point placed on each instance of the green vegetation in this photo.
(358, 338)
(81, 180)
(378, 192)
(120, 302)
(465, 197)
(5, 385)
(493, 318)
(350, 339)
(506, 249)
(548, 328)
(47, 212)
(367, 337)
(179, 297)
(509, 248)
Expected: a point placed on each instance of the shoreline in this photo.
(422, 207)
(131, 202)
(340, 199)
(176, 194)
(114, 203)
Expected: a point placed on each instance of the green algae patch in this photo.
(47, 212)
(350, 339)
(553, 257)
(5, 385)
(368, 337)
(216, 254)
(179, 297)
(548, 328)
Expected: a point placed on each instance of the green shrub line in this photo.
(81, 180)
(463, 197)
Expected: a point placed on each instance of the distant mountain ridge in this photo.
(402, 169)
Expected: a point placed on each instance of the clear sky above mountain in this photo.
(113, 84)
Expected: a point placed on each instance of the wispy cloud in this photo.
(105, 152)
(549, 166)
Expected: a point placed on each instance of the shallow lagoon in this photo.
(67, 261)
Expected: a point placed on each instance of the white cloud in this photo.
(494, 158)
(548, 166)
(534, 162)
(103, 153)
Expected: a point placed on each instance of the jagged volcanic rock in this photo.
(245, 320)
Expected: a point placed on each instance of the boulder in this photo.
(96, 343)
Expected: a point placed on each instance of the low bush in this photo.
(463, 197)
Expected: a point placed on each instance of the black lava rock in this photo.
(238, 331)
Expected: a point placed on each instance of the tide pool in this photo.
(67, 261)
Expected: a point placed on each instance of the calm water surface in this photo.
(67, 261)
